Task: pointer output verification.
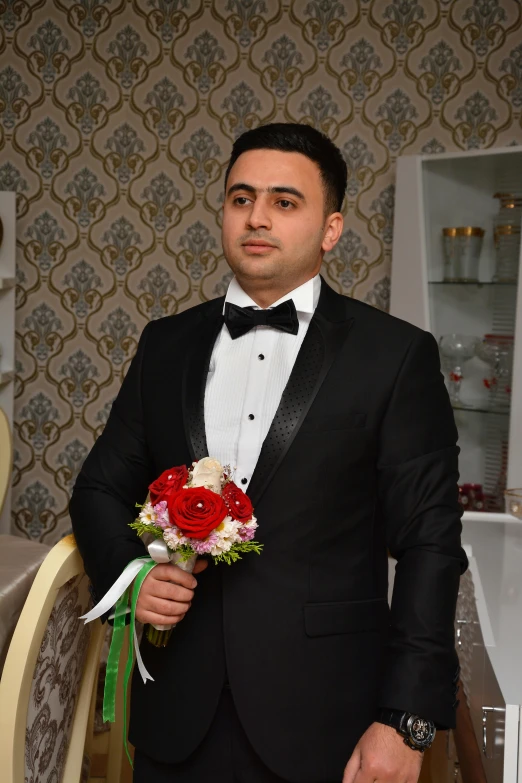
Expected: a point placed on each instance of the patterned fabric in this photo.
(467, 629)
(99, 725)
(56, 681)
(116, 122)
(86, 768)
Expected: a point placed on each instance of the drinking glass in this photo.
(455, 349)
(507, 226)
(497, 351)
(462, 247)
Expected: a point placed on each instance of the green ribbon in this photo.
(113, 660)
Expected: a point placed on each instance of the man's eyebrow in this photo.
(274, 189)
(287, 189)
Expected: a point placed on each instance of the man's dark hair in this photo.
(293, 137)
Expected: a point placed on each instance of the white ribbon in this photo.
(109, 599)
(116, 591)
(159, 551)
(161, 554)
(139, 660)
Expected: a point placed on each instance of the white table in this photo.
(495, 647)
(20, 560)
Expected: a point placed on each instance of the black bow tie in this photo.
(240, 320)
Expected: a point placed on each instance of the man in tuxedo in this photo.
(288, 666)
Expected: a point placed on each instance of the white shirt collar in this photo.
(305, 296)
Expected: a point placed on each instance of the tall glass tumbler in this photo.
(462, 246)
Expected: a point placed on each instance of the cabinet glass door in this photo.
(472, 218)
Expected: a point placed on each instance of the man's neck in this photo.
(265, 296)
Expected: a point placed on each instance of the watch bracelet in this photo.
(397, 719)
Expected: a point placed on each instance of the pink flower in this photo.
(203, 547)
(247, 533)
(162, 515)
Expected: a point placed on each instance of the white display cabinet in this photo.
(435, 192)
(449, 191)
(7, 324)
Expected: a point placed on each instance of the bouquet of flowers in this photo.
(196, 511)
(190, 512)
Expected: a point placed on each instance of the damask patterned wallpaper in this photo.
(116, 122)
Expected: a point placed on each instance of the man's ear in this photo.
(333, 230)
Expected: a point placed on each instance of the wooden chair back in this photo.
(6, 456)
(49, 677)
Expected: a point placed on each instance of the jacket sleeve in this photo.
(114, 477)
(418, 499)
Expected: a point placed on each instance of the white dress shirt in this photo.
(246, 379)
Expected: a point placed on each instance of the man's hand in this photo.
(166, 594)
(381, 756)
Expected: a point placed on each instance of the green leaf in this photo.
(235, 552)
(185, 552)
(141, 528)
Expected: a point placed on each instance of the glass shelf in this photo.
(478, 283)
(458, 190)
(471, 409)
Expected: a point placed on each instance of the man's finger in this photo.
(171, 573)
(369, 776)
(168, 591)
(363, 777)
(158, 619)
(353, 766)
(200, 566)
(163, 607)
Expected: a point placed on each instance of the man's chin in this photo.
(256, 269)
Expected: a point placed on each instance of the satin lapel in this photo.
(325, 336)
(195, 378)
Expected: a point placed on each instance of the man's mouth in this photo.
(257, 246)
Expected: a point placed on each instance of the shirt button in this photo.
(261, 356)
(251, 416)
(244, 480)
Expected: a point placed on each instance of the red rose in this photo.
(238, 504)
(196, 511)
(170, 481)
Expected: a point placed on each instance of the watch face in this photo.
(421, 731)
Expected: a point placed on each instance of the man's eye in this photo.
(285, 203)
(241, 200)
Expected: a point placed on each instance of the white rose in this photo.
(207, 473)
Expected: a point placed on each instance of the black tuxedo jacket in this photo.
(361, 457)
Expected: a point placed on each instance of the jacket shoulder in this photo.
(186, 319)
(370, 320)
(373, 318)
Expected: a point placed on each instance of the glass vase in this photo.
(507, 225)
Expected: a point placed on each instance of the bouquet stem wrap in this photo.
(118, 596)
(158, 635)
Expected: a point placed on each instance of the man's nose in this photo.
(259, 216)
